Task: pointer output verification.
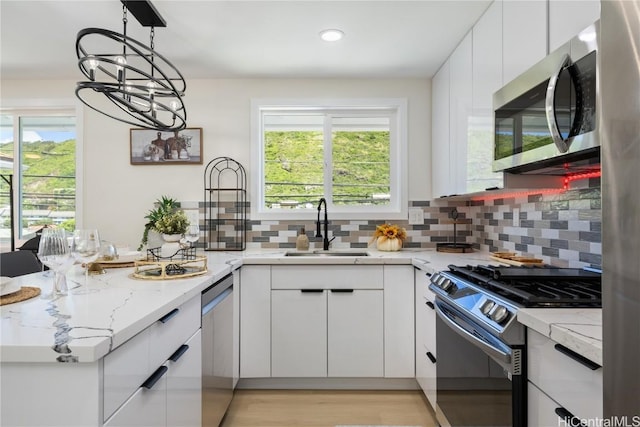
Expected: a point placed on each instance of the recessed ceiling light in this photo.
(331, 35)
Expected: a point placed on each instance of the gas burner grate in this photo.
(536, 286)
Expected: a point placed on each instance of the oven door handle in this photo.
(497, 354)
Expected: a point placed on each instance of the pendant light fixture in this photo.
(143, 87)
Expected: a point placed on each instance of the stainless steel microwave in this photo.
(547, 116)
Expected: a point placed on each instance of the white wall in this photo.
(117, 195)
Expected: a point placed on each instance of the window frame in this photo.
(394, 108)
(22, 109)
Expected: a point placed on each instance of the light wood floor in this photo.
(328, 408)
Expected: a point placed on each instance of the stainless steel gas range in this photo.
(481, 347)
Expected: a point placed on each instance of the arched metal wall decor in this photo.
(225, 205)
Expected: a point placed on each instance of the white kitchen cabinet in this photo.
(572, 382)
(399, 322)
(568, 17)
(128, 370)
(355, 333)
(524, 36)
(486, 79)
(173, 398)
(441, 173)
(327, 321)
(460, 91)
(425, 337)
(299, 333)
(255, 321)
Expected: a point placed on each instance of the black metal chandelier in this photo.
(144, 88)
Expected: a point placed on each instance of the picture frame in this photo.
(154, 147)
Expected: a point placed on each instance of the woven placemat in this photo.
(25, 293)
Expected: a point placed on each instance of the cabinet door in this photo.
(425, 337)
(441, 174)
(145, 408)
(298, 333)
(399, 322)
(184, 384)
(255, 321)
(355, 333)
(568, 18)
(487, 79)
(524, 36)
(460, 111)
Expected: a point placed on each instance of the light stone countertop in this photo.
(579, 329)
(94, 319)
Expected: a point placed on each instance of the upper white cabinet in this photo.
(486, 79)
(441, 172)
(524, 37)
(568, 17)
(460, 111)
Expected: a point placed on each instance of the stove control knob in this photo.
(435, 278)
(499, 314)
(486, 307)
(446, 285)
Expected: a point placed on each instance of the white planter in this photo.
(172, 237)
(388, 245)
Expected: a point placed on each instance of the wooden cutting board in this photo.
(518, 260)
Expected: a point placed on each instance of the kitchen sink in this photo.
(321, 253)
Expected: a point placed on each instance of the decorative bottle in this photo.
(302, 242)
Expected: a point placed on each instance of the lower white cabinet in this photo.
(315, 321)
(355, 333)
(299, 333)
(154, 379)
(425, 337)
(562, 383)
(320, 333)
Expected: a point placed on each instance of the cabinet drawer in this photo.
(541, 410)
(326, 277)
(172, 330)
(129, 365)
(574, 386)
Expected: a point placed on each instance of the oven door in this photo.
(480, 379)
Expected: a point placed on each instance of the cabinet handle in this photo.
(577, 357)
(179, 352)
(153, 379)
(569, 418)
(169, 315)
(431, 357)
(342, 290)
(430, 305)
(428, 274)
(307, 291)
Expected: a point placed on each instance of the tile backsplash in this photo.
(563, 228)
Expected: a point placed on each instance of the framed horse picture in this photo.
(154, 147)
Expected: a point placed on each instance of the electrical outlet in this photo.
(416, 216)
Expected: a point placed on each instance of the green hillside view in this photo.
(49, 176)
(294, 164)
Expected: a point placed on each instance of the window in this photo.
(38, 154)
(351, 153)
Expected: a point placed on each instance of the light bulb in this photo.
(92, 63)
(151, 87)
(120, 63)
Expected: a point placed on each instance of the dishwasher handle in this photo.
(217, 300)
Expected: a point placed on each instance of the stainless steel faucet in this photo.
(325, 240)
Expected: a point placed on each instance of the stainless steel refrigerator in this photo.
(619, 84)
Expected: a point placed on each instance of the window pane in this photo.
(47, 153)
(6, 169)
(361, 161)
(294, 160)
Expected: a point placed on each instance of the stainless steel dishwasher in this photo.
(217, 351)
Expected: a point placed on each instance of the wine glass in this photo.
(85, 247)
(53, 251)
(192, 235)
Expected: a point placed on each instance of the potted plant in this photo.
(165, 217)
(389, 237)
